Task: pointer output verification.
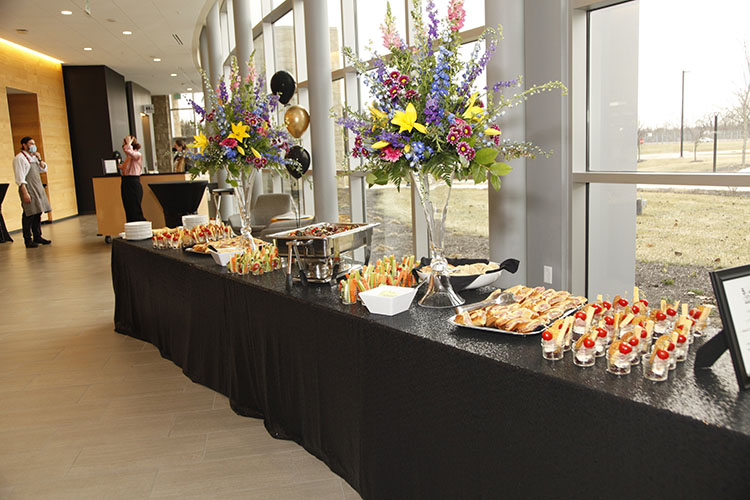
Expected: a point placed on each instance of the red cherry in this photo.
(636, 309)
(640, 323)
(609, 320)
(681, 339)
(645, 302)
(625, 348)
(679, 327)
(601, 332)
(694, 313)
(589, 343)
(607, 305)
(662, 354)
(644, 334)
(581, 315)
(597, 309)
(660, 316)
(671, 311)
(633, 341)
(671, 346)
(547, 335)
(623, 302)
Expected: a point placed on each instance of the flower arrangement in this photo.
(236, 129)
(427, 116)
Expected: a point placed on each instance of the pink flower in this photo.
(391, 154)
(403, 79)
(411, 94)
(465, 150)
(229, 142)
(395, 75)
(466, 130)
(453, 136)
(495, 138)
(456, 14)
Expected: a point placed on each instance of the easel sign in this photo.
(732, 291)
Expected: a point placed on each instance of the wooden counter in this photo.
(110, 215)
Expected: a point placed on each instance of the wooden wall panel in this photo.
(27, 72)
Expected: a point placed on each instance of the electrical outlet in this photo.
(548, 274)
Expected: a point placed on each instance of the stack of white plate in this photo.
(138, 230)
(190, 221)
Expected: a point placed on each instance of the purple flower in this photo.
(465, 150)
(411, 94)
(505, 85)
(453, 136)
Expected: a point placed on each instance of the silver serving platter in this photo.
(322, 255)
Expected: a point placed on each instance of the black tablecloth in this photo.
(178, 198)
(4, 235)
(411, 407)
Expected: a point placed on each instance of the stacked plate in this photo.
(190, 221)
(138, 230)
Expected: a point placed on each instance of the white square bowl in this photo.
(388, 300)
(223, 258)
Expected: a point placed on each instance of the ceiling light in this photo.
(173, 74)
(190, 88)
(156, 59)
(127, 32)
(66, 12)
(88, 49)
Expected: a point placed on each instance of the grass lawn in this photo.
(694, 229)
(674, 147)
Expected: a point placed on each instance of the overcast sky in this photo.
(703, 37)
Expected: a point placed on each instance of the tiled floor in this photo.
(88, 413)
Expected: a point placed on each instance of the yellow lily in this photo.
(239, 131)
(407, 120)
(201, 142)
(492, 131)
(240, 150)
(380, 144)
(472, 112)
(255, 152)
(378, 117)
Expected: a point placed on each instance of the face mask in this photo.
(32, 149)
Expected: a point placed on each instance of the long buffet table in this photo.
(411, 407)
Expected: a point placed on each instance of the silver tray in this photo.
(327, 246)
(535, 331)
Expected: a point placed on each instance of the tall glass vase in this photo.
(434, 198)
(243, 193)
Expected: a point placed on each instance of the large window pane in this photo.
(339, 132)
(467, 224)
(392, 210)
(258, 56)
(656, 104)
(474, 12)
(283, 45)
(255, 12)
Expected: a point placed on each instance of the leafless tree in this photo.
(740, 113)
(703, 128)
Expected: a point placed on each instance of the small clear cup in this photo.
(551, 350)
(618, 363)
(583, 354)
(656, 369)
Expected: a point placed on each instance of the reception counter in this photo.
(411, 407)
(110, 215)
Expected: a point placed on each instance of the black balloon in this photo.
(302, 158)
(283, 85)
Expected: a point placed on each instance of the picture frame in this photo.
(732, 290)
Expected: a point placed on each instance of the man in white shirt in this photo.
(27, 165)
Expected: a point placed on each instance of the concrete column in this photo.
(243, 38)
(321, 125)
(216, 66)
(507, 207)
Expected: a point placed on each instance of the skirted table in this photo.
(178, 198)
(410, 407)
(4, 234)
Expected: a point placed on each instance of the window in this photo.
(654, 106)
(370, 16)
(283, 45)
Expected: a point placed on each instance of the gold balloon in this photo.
(297, 120)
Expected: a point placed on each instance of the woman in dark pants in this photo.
(130, 188)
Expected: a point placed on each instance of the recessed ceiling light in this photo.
(22, 31)
(173, 74)
(66, 12)
(88, 49)
(156, 59)
(190, 88)
(127, 32)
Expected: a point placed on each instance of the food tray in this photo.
(536, 331)
(327, 246)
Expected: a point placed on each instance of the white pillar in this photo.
(321, 125)
(243, 38)
(507, 207)
(216, 66)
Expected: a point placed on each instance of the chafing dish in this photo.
(325, 249)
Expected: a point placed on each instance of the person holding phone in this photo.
(27, 167)
(130, 186)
